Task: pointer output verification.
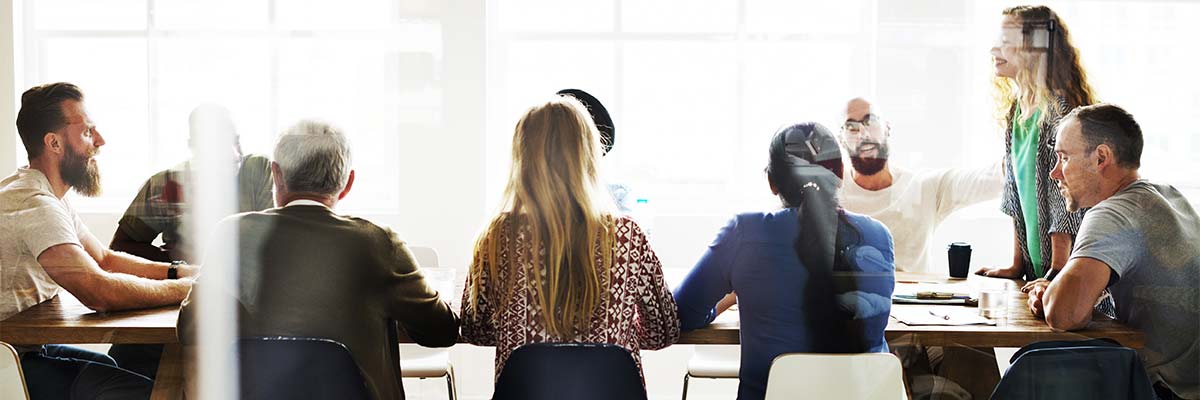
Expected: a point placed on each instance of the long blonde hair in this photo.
(554, 188)
(1051, 70)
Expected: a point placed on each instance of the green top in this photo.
(1024, 161)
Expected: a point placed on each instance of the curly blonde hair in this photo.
(1051, 71)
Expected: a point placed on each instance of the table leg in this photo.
(973, 368)
(168, 385)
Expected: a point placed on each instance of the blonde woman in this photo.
(556, 264)
(1038, 80)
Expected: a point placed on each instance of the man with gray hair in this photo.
(307, 271)
(1140, 240)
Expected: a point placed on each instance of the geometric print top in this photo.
(639, 312)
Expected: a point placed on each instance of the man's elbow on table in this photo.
(1071, 297)
(97, 300)
(1067, 308)
(1061, 320)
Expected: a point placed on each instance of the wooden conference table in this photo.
(1018, 328)
(64, 320)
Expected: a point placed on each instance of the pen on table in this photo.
(940, 296)
(945, 317)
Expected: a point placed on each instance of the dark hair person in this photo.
(1038, 79)
(809, 277)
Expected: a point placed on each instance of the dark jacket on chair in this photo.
(306, 271)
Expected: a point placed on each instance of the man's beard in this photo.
(80, 174)
(1071, 203)
(870, 165)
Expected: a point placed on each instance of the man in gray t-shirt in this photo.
(1141, 240)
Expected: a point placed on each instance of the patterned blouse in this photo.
(640, 312)
(1052, 213)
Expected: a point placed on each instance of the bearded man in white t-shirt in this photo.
(910, 203)
(45, 247)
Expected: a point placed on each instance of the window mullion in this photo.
(151, 85)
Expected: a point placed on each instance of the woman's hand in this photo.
(1010, 272)
(728, 301)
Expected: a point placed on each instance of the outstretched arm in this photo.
(75, 270)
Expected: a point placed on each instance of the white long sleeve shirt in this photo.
(916, 203)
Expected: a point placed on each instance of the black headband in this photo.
(608, 133)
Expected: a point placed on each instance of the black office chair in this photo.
(1093, 369)
(298, 368)
(580, 371)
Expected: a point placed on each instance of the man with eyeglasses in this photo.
(910, 203)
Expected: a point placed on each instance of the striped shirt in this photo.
(1052, 214)
(159, 206)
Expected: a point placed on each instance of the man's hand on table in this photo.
(1036, 289)
(1029, 285)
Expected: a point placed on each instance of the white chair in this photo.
(836, 376)
(713, 362)
(423, 362)
(12, 380)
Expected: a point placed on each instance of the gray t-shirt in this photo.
(32, 219)
(1150, 236)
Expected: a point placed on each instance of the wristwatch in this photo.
(173, 270)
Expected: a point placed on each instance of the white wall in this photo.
(8, 91)
(442, 198)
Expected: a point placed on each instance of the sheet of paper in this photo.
(957, 287)
(904, 300)
(951, 316)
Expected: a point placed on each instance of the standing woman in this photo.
(557, 264)
(1038, 80)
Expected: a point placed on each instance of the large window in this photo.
(371, 67)
(697, 89)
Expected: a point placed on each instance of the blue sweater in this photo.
(754, 256)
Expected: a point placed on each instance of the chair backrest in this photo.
(12, 380)
(1083, 372)
(298, 368)
(426, 257)
(836, 376)
(581, 371)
